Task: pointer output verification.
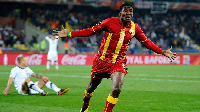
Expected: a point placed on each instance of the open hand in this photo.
(169, 54)
(62, 33)
(6, 91)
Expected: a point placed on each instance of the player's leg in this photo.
(117, 82)
(56, 61)
(33, 86)
(41, 84)
(89, 92)
(53, 87)
(49, 58)
(48, 65)
(56, 65)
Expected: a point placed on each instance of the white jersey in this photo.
(52, 44)
(20, 74)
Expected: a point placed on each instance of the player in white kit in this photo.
(23, 84)
(52, 53)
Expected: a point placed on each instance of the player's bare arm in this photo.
(62, 33)
(44, 78)
(6, 91)
(169, 54)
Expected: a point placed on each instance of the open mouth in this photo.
(128, 17)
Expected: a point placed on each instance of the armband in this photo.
(69, 34)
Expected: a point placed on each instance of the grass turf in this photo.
(146, 89)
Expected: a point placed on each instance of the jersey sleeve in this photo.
(57, 38)
(140, 36)
(89, 31)
(12, 73)
(47, 38)
(29, 72)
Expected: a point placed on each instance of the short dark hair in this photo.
(123, 5)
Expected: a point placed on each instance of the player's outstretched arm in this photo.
(6, 91)
(62, 33)
(44, 78)
(169, 54)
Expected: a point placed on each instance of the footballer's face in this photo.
(126, 14)
(52, 37)
(25, 62)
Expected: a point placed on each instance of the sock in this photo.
(35, 87)
(52, 86)
(48, 65)
(86, 101)
(110, 103)
(56, 64)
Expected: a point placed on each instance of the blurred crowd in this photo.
(9, 36)
(47, 20)
(180, 29)
(173, 0)
(177, 29)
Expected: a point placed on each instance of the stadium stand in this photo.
(177, 28)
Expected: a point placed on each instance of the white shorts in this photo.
(53, 56)
(31, 90)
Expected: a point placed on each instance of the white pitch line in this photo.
(71, 76)
(5, 73)
(163, 80)
(140, 75)
(129, 78)
(171, 76)
(144, 75)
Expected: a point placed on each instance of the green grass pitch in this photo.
(146, 89)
